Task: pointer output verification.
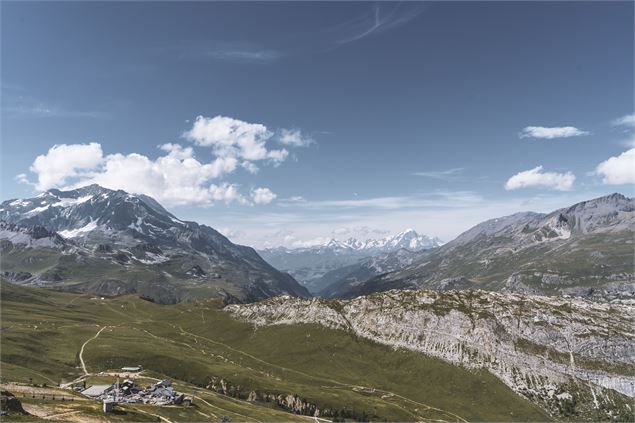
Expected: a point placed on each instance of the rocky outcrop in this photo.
(562, 353)
(291, 402)
(10, 404)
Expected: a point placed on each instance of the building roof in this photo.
(95, 390)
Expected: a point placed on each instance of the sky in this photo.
(289, 123)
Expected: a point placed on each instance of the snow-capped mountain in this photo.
(408, 239)
(308, 264)
(585, 250)
(136, 232)
(35, 236)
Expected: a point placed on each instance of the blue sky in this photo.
(289, 123)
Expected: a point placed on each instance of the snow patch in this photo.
(37, 210)
(72, 233)
(20, 203)
(65, 202)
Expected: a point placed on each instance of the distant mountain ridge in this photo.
(130, 243)
(408, 239)
(583, 250)
(310, 265)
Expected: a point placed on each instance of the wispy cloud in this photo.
(243, 55)
(445, 215)
(28, 107)
(445, 175)
(380, 18)
(294, 138)
(626, 120)
(235, 52)
(548, 133)
(436, 199)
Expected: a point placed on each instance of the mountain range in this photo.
(110, 242)
(524, 317)
(312, 265)
(583, 250)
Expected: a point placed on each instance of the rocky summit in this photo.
(111, 242)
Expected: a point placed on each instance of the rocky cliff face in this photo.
(288, 401)
(567, 355)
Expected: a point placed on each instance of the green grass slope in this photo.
(198, 345)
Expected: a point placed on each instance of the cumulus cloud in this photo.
(176, 177)
(551, 132)
(64, 161)
(249, 167)
(619, 169)
(231, 137)
(294, 138)
(627, 120)
(227, 193)
(262, 195)
(537, 178)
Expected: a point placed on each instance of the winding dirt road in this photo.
(81, 351)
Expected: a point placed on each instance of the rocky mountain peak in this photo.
(137, 229)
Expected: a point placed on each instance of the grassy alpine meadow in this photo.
(203, 349)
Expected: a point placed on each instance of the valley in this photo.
(247, 373)
(317, 211)
(522, 318)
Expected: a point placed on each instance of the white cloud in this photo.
(619, 169)
(444, 216)
(537, 178)
(234, 138)
(249, 167)
(440, 174)
(380, 18)
(289, 239)
(231, 233)
(65, 161)
(227, 193)
(362, 232)
(277, 156)
(294, 138)
(15, 104)
(174, 178)
(431, 199)
(262, 196)
(627, 120)
(551, 132)
(243, 55)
